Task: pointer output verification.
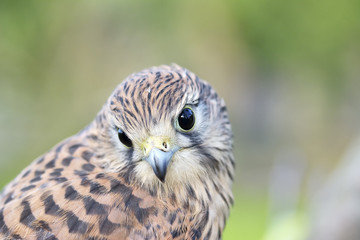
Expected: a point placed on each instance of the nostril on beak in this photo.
(165, 145)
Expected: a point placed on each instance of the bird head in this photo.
(164, 126)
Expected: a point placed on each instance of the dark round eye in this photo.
(186, 119)
(124, 138)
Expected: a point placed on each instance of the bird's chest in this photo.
(165, 222)
(142, 218)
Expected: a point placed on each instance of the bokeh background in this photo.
(288, 70)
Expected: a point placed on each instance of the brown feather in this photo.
(91, 187)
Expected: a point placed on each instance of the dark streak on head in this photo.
(74, 147)
(26, 173)
(66, 161)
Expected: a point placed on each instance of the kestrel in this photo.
(156, 163)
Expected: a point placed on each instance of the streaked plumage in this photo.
(168, 183)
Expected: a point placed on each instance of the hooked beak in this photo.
(158, 154)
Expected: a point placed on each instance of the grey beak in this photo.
(159, 161)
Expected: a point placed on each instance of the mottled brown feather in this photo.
(91, 187)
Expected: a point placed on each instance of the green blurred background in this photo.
(288, 70)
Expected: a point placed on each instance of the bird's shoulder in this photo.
(64, 194)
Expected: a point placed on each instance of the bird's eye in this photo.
(124, 138)
(186, 120)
